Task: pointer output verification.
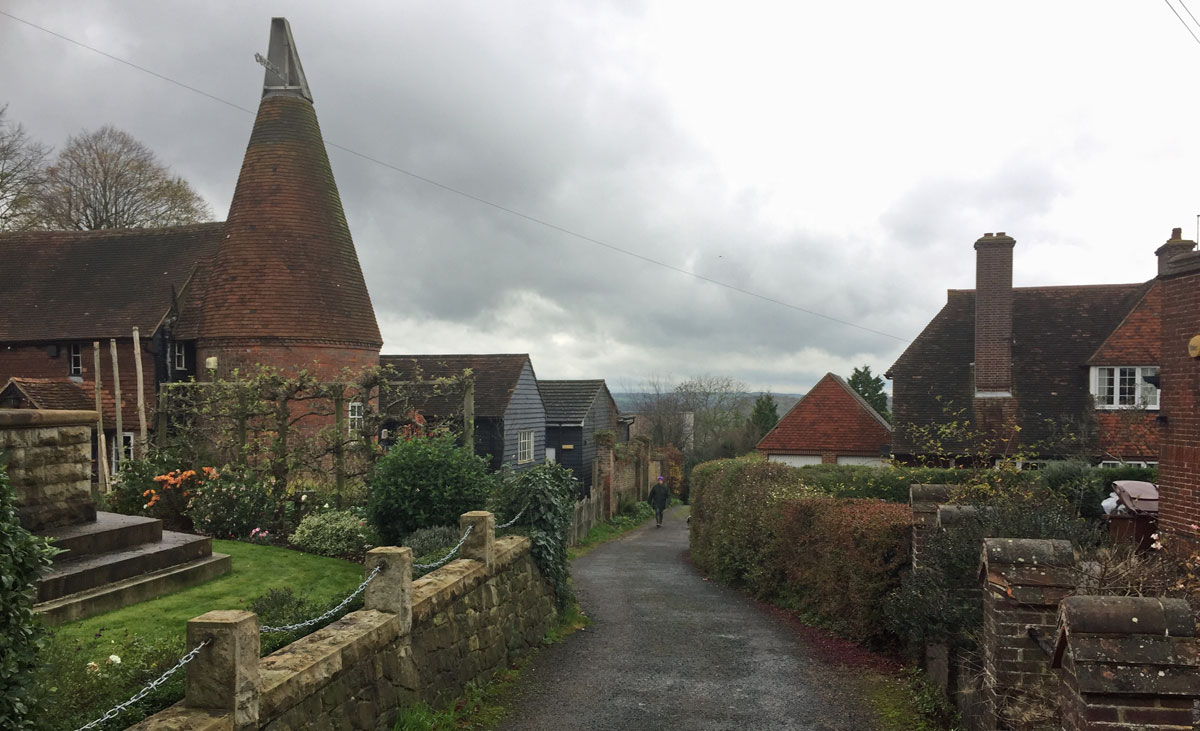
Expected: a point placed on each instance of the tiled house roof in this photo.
(832, 417)
(567, 402)
(287, 268)
(496, 378)
(77, 285)
(51, 393)
(1056, 332)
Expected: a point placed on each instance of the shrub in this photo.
(334, 533)
(884, 483)
(425, 481)
(545, 497)
(135, 478)
(1086, 486)
(22, 557)
(232, 506)
(428, 540)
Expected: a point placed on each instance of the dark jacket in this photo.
(660, 495)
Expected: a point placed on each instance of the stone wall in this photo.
(413, 641)
(49, 456)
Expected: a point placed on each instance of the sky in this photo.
(837, 159)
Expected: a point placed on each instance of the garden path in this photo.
(668, 649)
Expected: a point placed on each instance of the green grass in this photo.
(905, 701)
(255, 570)
(606, 530)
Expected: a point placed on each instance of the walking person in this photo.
(658, 499)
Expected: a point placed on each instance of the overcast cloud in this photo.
(841, 158)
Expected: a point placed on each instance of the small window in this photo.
(1123, 387)
(75, 362)
(525, 446)
(124, 452)
(179, 356)
(354, 417)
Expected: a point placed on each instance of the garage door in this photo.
(873, 461)
(795, 460)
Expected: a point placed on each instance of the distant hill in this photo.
(627, 400)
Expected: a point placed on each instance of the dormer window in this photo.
(1124, 387)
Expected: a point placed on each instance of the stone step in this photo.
(142, 588)
(109, 532)
(74, 575)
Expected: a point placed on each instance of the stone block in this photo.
(391, 591)
(481, 544)
(225, 673)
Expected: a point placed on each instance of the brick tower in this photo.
(285, 287)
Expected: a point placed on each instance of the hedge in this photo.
(759, 526)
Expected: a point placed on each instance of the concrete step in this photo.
(90, 571)
(130, 591)
(109, 532)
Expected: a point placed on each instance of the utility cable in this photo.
(532, 219)
(1181, 20)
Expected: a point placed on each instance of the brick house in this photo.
(509, 415)
(831, 424)
(1051, 372)
(277, 283)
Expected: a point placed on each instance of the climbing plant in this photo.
(546, 494)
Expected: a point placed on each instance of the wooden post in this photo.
(120, 436)
(140, 450)
(469, 417)
(101, 445)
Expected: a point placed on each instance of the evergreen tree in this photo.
(870, 387)
(764, 416)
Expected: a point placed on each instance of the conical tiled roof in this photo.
(287, 268)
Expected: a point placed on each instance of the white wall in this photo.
(871, 461)
(795, 460)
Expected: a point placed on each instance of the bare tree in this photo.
(22, 162)
(108, 179)
(659, 407)
(720, 406)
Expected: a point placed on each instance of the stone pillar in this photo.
(49, 465)
(604, 480)
(391, 590)
(1024, 581)
(481, 544)
(924, 500)
(1127, 663)
(224, 675)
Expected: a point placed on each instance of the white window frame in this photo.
(354, 416)
(122, 452)
(525, 446)
(1145, 396)
(74, 360)
(1113, 464)
(178, 356)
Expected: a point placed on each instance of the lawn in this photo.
(255, 570)
(91, 665)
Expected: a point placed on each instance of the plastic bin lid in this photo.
(1138, 496)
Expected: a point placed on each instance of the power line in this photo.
(1181, 20)
(429, 181)
(1189, 12)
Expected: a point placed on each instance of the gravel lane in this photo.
(669, 650)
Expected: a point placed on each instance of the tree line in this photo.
(99, 179)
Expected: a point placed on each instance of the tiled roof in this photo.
(77, 285)
(52, 393)
(496, 378)
(831, 417)
(1055, 331)
(287, 267)
(567, 402)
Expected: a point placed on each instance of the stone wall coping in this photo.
(184, 718)
(292, 673)
(438, 589)
(952, 514)
(35, 418)
(1028, 552)
(1127, 615)
(925, 494)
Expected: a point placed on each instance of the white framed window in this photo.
(75, 361)
(122, 450)
(1123, 387)
(1114, 463)
(525, 446)
(354, 417)
(178, 356)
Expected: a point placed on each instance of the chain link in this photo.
(345, 602)
(448, 556)
(512, 522)
(149, 688)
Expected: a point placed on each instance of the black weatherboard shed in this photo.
(510, 420)
(575, 411)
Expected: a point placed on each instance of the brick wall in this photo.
(326, 360)
(1179, 456)
(993, 312)
(49, 456)
(413, 641)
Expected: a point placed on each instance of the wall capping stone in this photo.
(34, 418)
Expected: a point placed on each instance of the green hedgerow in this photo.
(334, 533)
(425, 481)
(22, 557)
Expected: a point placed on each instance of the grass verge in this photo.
(905, 701)
(634, 516)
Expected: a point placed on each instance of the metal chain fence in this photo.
(344, 603)
(112, 713)
(448, 556)
(512, 522)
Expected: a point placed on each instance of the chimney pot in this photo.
(987, 235)
(1176, 234)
